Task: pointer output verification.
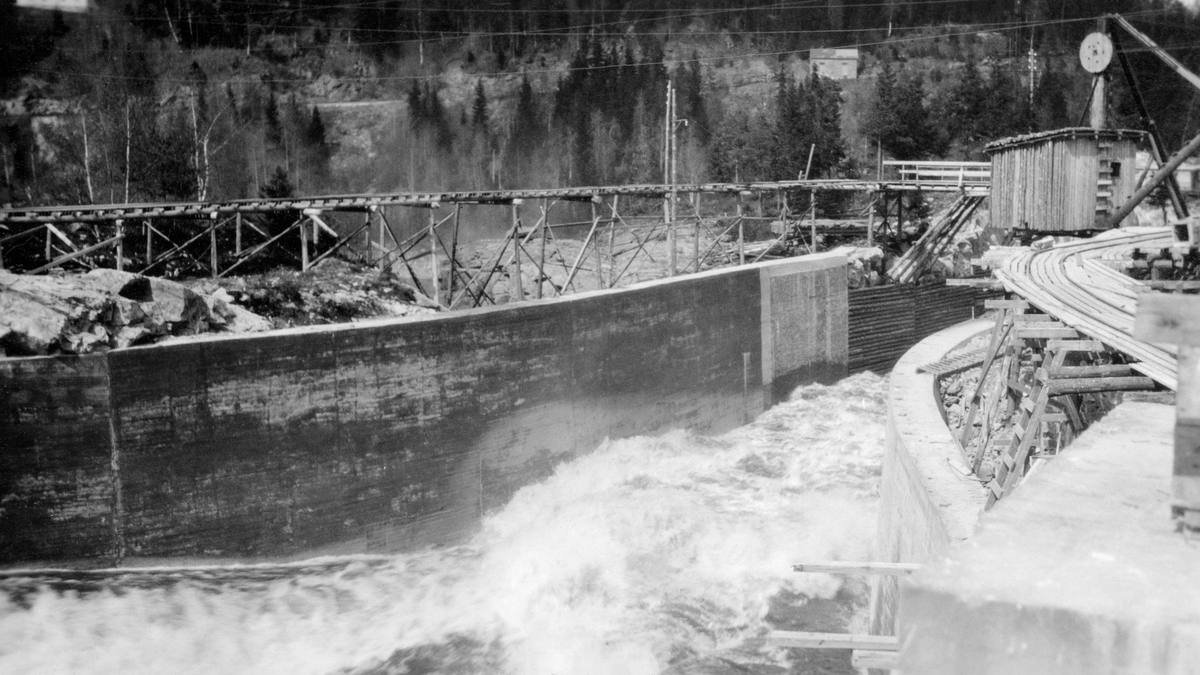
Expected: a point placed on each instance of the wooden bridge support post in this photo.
(212, 246)
(741, 228)
(237, 233)
(812, 242)
(303, 247)
(596, 244)
(871, 222)
(120, 244)
(453, 256)
(696, 233)
(434, 268)
(545, 220)
(518, 286)
(150, 241)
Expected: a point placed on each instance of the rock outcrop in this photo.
(106, 309)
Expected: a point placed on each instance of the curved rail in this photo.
(1073, 283)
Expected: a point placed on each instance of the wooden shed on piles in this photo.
(1067, 180)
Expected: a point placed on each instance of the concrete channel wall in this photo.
(927, 498)
(391, 434)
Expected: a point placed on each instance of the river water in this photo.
(669, 554)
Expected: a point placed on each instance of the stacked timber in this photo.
(106, 309)
(910, 266)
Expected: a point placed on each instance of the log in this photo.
(805, 640)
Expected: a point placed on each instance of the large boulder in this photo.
(106, 309)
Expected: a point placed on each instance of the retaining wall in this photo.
(392, 434)
(886, 320)
(927, 497)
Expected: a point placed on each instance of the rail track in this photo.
(1076, 283)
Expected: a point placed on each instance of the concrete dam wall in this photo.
(391, 434)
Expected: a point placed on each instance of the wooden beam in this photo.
(1087, 385)
(1005, 304)
(805, 640)
(872, 568)
(81, 252)
(1075, 345)
(874, 658)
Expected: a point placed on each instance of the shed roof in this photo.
(833, 54)
(1069, 132)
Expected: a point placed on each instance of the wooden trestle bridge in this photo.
(1060, 349)
(218, 238)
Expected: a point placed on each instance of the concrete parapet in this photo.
(1079, 572)
(928, 499)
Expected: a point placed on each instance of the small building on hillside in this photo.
(836, 64)
(1066, 180)
(76, 6)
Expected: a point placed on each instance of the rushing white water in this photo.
(650, 555)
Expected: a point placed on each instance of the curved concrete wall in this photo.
(391, 434)
(928, 498)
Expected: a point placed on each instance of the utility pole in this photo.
(1100, 95)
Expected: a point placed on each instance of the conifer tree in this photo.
(479, 107)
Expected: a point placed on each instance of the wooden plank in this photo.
(806, 640)
(1173, 319)
(984, 284)
(872, 568)
(993, 303)
(1037, 319)
(874, 658)
(1044, 333)
(1088, 385)
(1061, 372)
(1075, 345)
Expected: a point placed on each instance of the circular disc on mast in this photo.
(1096, 52)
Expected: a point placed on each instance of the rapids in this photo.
(666, 554)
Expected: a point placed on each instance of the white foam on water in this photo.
(640, 555)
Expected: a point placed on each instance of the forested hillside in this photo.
(220, 99)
